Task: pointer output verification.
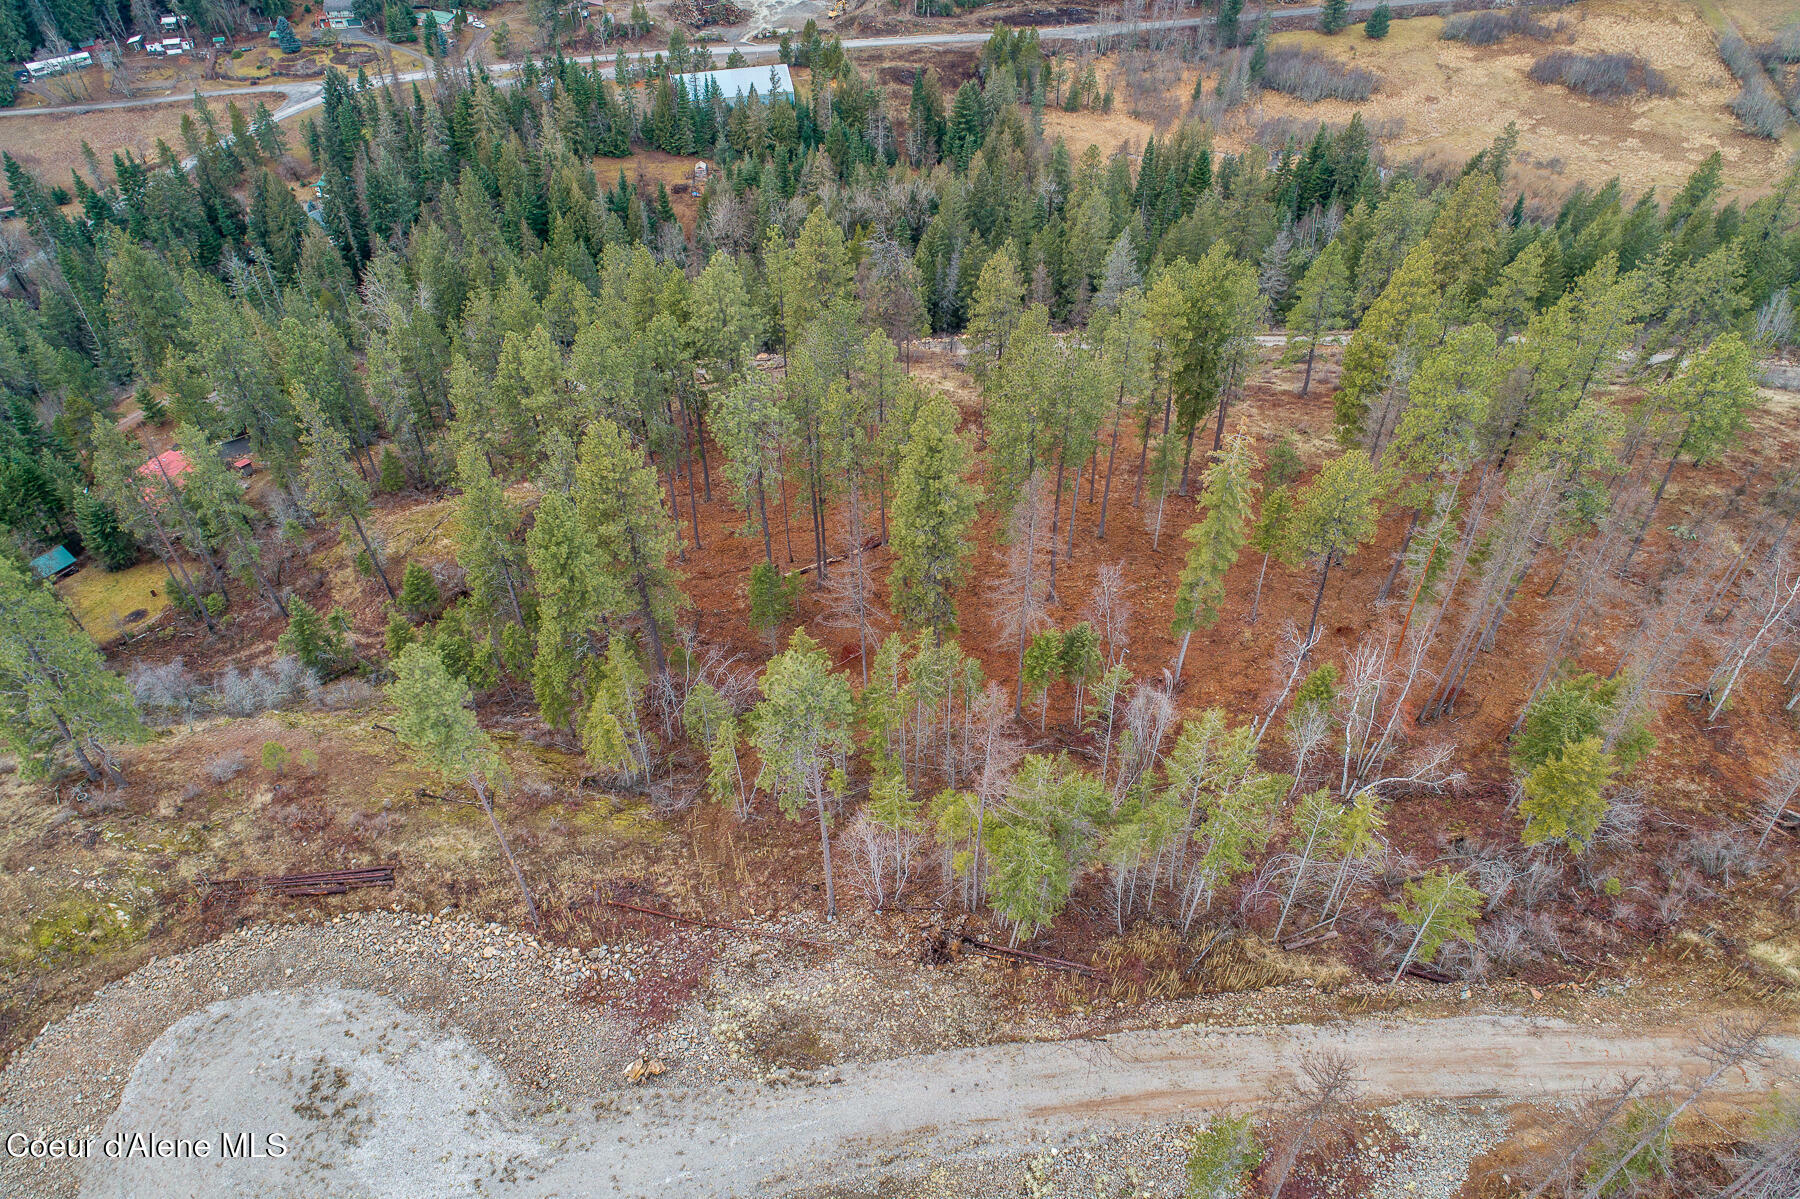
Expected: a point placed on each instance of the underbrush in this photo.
(1311, 76)
(170, 693)
(1758, 106)
(1493, 27)
(1607, 77)
(80, 923)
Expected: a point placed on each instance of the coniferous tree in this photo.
(620, 506)
(1440, 906)
(1333, 516)
(1334, 15)
(1322, 300)
(1376, 26)
(333, 485)
(103, 534)
(55, 691)
(934, 511)
(320, 642)
(1228, 495)
(802, 731)
(436, 721)
(216, 494)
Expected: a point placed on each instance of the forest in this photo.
(1544, 441)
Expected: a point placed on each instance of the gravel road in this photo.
(410, 1056)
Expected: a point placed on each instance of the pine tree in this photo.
(393, 471)
(572, 595)
(1708, 402)
(485, 525)
(802, 731)
(620, 505)
(1441, 906)
(1334, 15)
(752, 427)
(771, 597)
(934, 510)
(55, 690)
(334, 486)
(216, 495)
(284, 36)
(1333, 516)
(1269, 536)
(1228, 494)
(1376, 26)
(320, 643)
(1404, 317)
(613, 733)
(1321, 301)
(419, 595)
(102, 533)
(436, 721)
(994, 313)
(1565, 798)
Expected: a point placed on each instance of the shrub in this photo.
(287, 683)
(1493, 27)
(167, 691)
(1759, 109)
(1310, 76)
(1601, 76)
(274, 757)
(225, 767)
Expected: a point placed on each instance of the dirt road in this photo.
(369, 1100)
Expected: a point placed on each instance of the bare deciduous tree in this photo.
(1322, 1096)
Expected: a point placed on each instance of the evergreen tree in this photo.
(333, 485)
(216, 495)
(1321, 302)
(419, 595)
(284, 36)
(1376, 26)
(934, 511)
(103, 534)
(320, 643)
(485, 525)
(572, 596)
(620, 505)
(1333, 516)
(436, 721)
(1404, 318)
(1334, 15)
(1707, 405)
(802, 731)
(771, 597)
(1441, 906)
(55, 690)
(1228, 494)
(1565, 798)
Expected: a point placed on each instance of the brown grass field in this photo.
(49, 145)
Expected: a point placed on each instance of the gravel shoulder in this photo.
(406, 1055)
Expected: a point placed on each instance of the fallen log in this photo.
(697, 922)
(1020, 955)
(1429, 974)
(1302, 943)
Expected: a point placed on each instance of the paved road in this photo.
(308, 95)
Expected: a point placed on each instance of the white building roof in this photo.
(735, 83)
